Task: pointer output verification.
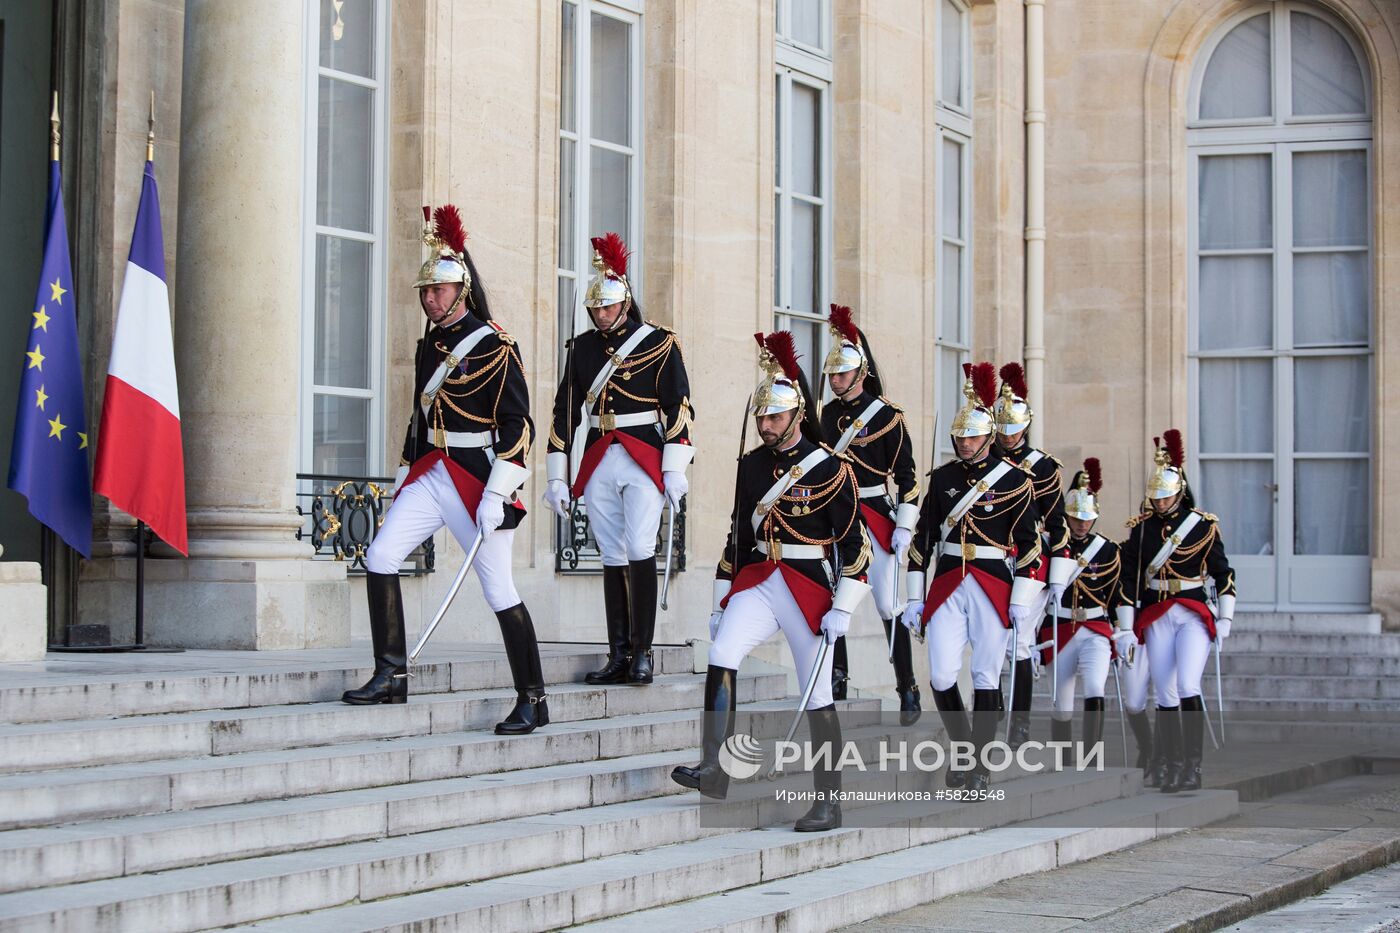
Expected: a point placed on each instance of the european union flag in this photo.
(49, 460)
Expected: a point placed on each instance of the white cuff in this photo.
(1227, 606)
(676, 457)
(850, 592)
(721, 590)
(1024, 591)
(1126, 616)
(1060, 569)
(506, 477)
(907, 515)
(914, 585)
(556, 466)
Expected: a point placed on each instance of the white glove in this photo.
(913, 618)
(899, 540)
(1054, 592)
(1021, 615)
(1222, 628)
(714, 623)
(556, 496)
(490, 513)
(835, 623)
(1123, 637)
(676, 486)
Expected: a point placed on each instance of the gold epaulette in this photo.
(505, 338)
(1137, 520)
(889, 404)
(661, 327)
(1026, 468)
(1206, 515)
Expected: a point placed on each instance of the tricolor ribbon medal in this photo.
(802, 492)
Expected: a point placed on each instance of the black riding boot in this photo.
(954, 715)
(1170, 747)
(1061, 730)
(641, 601)
(619, 641)
(1142, 734)
(905, 686)
(1021, 707)
(523, 652)
(720, 701)
(1193, 727)
(1093, 723)
(839, 669)
(390, 681)
(985, 704)
(825, 813)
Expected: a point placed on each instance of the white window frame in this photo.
(375, 448)
(1279, 136)
(783, 26)
(953, 122)
(796, 63)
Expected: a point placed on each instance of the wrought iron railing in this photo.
(342, 514)
(577, 551)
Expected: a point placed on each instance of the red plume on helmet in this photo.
(780, 344)
(449, 229)
(984, 383)
(1091, 467)
(842, 323)
(1013, 375)
(613, 252)
(1176, 450)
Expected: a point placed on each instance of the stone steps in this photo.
(1337, 623)
(1244, 641)
(616, 885)
(1273, 688)
(1303, 665)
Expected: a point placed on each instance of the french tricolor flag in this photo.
(140, 460)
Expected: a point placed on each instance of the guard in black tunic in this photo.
(977, 533)
(795, 561)
(620, 441)
(869, 429)
(463, 461)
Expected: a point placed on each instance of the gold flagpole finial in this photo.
(151, 131)
(53, 129)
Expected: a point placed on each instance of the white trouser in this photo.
(882, 577)
(966, 617)
(1134, 679)
(755, 615)
(418, 511)
(1085, 655)
(1178, 647)
(1025, 634)
(624, 508)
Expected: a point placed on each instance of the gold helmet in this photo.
(781, 387)
(1013, 415)
(847, 352)
(1168, 471)
(979, 388)
(446, 240)
(1082, 500)
(609, 283)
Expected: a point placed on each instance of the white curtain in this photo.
(1326, 75)
(1236, 83)
(950, 46)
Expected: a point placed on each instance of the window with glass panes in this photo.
(342, 345)
(802, 178)
(1280, 289)
(953, 296)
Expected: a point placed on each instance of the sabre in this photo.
(446, 600)
(1055, 652)
(1206, 713)
(1219, 695)
(894, 602)
(802, 706)
(1122, 713)
(670, 548)
(1011, 665)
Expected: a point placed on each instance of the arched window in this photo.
(1280, 293)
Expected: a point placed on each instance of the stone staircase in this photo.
(218, 789)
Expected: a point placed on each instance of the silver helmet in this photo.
(446, 240)
(1082, 500)
(609, 283)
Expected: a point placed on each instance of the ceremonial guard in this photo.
(1081, 622)
(1177, 575)
(795, 561)
(463, 461)
(977, 535)
(620, 441)
(870, 430)
(1013, 418)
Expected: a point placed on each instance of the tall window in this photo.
(343, 299)
(1280, 290)
(953, 117)
(802, 182)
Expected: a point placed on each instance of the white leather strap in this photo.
(874, 492)
(855, 426)
(618, 358)
(971, 551)
(784, 551)
(1083, 615)
(1173, 542)
(1175, 585)
(784, 483)
(1085, 558)
(970, 497)
(636, 420)
(459, 353)
(1034, 457)
(468, 439)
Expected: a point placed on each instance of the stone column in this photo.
(248, 582)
